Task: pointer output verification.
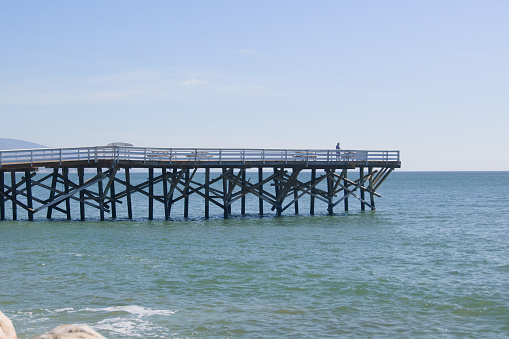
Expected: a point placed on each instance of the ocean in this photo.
(431, 261)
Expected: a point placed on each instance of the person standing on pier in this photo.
(337, 152)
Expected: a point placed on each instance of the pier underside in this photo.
(104, 184)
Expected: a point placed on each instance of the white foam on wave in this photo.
(69, 309)
(134, 327)
(129, 320)
(134, 323)
(132, 309)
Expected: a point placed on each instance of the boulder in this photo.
(6, 328)
(72, 332)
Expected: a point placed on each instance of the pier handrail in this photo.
(116, 154)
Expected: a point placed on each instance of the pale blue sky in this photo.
(429, 78)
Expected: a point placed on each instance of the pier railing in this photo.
(196, 155)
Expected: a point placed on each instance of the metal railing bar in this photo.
(117, 153)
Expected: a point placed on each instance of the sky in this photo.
(428, 78)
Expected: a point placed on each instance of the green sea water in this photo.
(432, 261)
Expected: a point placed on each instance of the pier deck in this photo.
(177, 167)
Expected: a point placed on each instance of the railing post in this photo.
(95, 155)
(31, 158)
(328, 156)
(0, 159)
(144, 155)
(244, 156)
(220, 156)
(286, 156)
(60, 156)
(263, 156)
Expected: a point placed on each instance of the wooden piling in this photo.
(345, 182)
(112, 195)
(371, 190)
(277, 190)
(243, 199)
(260, 190)
(207, 192)
(312, 197)
(174, 181)
(229, 195)
(100, 195)
(296, 198)
(165, 194)
(81, 181)
(330, 193)
(128, 193)
(151, 193)
(225, 193)
(186, 195)
(52, 192)
(28, 183)
(65, 174)
(361, 178)
(2, 198)
(13, 194)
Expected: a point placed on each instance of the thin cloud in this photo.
(250, 52)
(194, 82)
(129, 86)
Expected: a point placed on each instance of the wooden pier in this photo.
(172, 172)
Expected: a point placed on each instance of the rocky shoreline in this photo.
(73, 331)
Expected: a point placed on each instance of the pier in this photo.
(282, 178)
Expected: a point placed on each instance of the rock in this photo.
(72, 332)
(6, 328)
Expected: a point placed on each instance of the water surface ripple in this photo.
(433, 261)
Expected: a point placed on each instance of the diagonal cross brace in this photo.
(359, 184)
(73, 192)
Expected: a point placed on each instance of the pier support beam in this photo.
(330, 192)
(81, 181)
(54, 179)
(243, 199)
(277, 189)
(112, 195)
(225, 194)
(128, 194)
(371, 190)
(2, 192)
(260, 191)
(312, 197)
(296, 198)
(13, 195)
(65, 173)
(100, 194)
(186, 194)
(345, 181)
(151, 193)
(28, 183)
(165, 194)
(207, 192)
(174, 183)
(361, 178)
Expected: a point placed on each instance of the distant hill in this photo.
(6, 144)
